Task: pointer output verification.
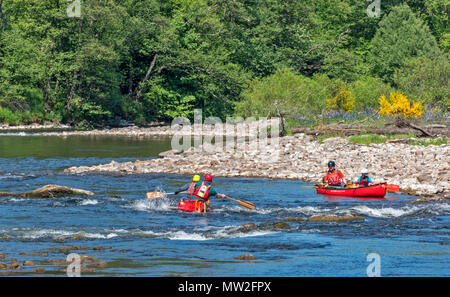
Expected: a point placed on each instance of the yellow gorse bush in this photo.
(398, 104)
(342, 101)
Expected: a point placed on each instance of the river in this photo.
(152, 238)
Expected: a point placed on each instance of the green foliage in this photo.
(146, 60)
(400, 36)
(426, 81)
(286, 93)
(367, 91)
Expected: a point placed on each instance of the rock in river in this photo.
(50, 191)
(246, 257)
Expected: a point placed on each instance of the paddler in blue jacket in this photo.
(190, 187)
(364, 180)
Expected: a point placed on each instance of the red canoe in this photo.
(370, 191)
(191, 205)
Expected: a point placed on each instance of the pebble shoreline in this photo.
(419, 170)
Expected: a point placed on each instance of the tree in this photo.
(285, 92)
(425, 80)
(400, 36)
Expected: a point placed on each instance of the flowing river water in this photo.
(152, 238)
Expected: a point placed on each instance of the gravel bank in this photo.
(419, 170)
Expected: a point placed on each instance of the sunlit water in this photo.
(153, 238)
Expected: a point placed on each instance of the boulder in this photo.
(28, 263)
(51, 191)
(291, 219)
(281, 225)
(247, 227)
(246, 257)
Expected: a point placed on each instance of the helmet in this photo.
(208, 178)
(196, 178)
(364, 171)
(331, 164)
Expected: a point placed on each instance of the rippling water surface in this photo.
(152, 238)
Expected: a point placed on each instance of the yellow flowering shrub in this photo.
(398, 104)
(342, 101)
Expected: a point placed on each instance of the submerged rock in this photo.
(333, 218)
(38, 270)
(281, 225)
(429, 199)
(246, 257)
(100, 248)
(38, 254)
(247, 227)
(65, 249)
(291, 219)
(14, 266)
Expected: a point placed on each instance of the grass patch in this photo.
(325, 136)
(367, 139)
(427, 142)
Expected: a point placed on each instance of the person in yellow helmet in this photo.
(189, 186)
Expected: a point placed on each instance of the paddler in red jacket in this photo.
(334, 177)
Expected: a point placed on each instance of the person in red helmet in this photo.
(204, 190)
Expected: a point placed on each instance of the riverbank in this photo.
(34, 127)
(153, 130)
(419, 170)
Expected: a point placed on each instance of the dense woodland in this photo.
(153, 60)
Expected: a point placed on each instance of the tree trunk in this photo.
(142, 88)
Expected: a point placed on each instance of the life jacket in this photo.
(192, 189)
(333, 178)
(364, 181)
(202, 191)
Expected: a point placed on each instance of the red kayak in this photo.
(193, 205)
(370, 191)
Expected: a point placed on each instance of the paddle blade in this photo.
(246, 204)
(155, 194)
(392, 188)
(243, 203)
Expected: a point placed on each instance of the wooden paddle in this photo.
(159, 194)
(243, 203)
